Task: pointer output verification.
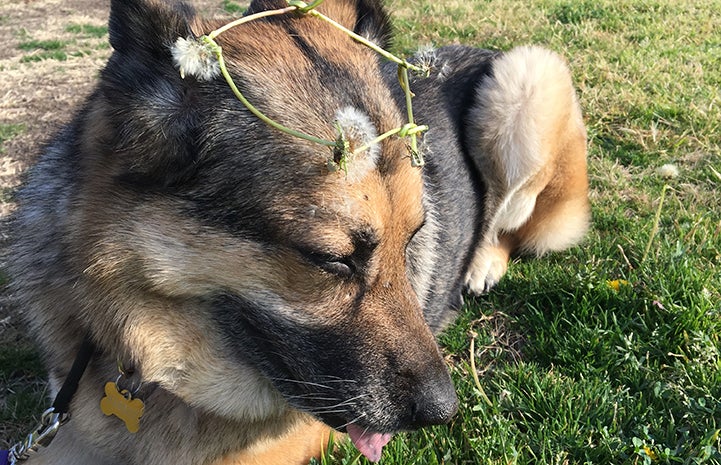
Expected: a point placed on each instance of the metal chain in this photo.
(42, 435)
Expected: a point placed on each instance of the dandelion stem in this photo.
(358, 38)
(474, 372)
(217, 49)
(378, 139)
(249, 18)
(408, 130)
(403, 131)
(416, 156)
(304, 7)
(656, 221)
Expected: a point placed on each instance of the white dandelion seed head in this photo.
(357, 128)
(195, 58)
(426, 58)
(667, 171)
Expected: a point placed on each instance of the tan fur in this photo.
(153, 259)
(139, 267)
(258, 45)
(306, 441)
(531, 126)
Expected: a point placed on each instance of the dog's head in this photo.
(258, 276)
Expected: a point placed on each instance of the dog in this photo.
(255, 299)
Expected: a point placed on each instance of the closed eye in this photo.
(343, 267)
(344, 264)
(340, 268)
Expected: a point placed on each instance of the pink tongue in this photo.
(368, 443)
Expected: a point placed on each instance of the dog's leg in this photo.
(527, 138)
(490, 263)
(562, 214)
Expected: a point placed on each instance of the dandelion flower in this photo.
(427, 60)
(667, 171)
(195, 58)
(617, 283)
(650, 453)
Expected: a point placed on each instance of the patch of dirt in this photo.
(37, 96)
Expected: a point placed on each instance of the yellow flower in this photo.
(651, 454)
(617, 283)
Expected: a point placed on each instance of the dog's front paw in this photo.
(487, 268)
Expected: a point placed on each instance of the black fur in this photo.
(453, 186)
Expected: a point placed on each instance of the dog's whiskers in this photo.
(355, 420)
(320, 402)
(341, 380)
(348, 402)
(304, 383)
(336, 379)
(327, 412)
(312, 396)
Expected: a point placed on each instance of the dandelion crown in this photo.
(202, 58)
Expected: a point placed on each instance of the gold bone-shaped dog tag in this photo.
(122, 405)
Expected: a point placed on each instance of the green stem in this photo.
(229, 79)
(378, 139)
(366, 42)
(410, 129)
(474, 372)
(247, 19)
(304, 7)
(656, 221)
(416, 156)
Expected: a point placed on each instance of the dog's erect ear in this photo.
(150, 113)
(367, 18)
(148, 26)
(373, 22)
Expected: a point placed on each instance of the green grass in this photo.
(47, 45)
(577, 372)
(58, 55)
(87, 30)
(43, 50)
(7, 132)
(234, 8)
(22, 394)
(86, 39)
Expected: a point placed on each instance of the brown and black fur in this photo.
(257, 298)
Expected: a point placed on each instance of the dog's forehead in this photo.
(302, 72)
(384, 204)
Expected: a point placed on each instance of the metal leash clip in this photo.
(42, 436)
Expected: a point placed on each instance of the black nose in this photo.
(435, 403)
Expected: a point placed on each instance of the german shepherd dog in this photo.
(255, 299)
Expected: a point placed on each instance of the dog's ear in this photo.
(150, 116)
(148, 26)
(367, 18)
(373, 23)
